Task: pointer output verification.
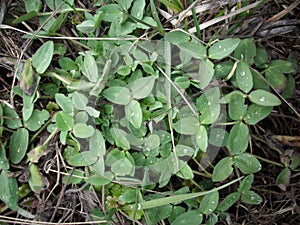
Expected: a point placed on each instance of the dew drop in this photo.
(256, 113)
(138, 14)
(39, 122)
(185, 151)
(210, 210)
(1, 162)
(243, 73)
(212, 202)
(252, 198)
(262, 99)
(218, 66)
(220, 46)
(199, 137)
(132, 114)
(209, 103)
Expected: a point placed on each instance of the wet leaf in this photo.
(64, 121)
(97, 144)
(251, 197)
(237, 107)
(193, 217)
(283, 178)
(247, 163)
(118, 95)
(256, 113)
(264, 98)
(86, 158)
(13, 120)
(221, 49)
(137, 9)
(37, 119)
(238, 138)
(246, 51)
(246, 183)
(177, 37)
(223, 169)
(188, 125)
(228, 201)
(244, 77)
(90, 69)
(120, 138)
(194, 49)
(134, 113)
(142, 87)
(8, 190)
(82, 130)
(202, 138)
(209, 203)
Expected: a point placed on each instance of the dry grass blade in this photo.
(281, 14)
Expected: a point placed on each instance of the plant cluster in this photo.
(134, 116)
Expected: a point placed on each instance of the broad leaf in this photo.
(223, 48)
(43, 56)
(65, 103)
(83, 159)
(134, 113)
(90, 69)
(87, 26)
(79, 100)
(120, 138)
(264, 98)
(202, 138)
(82, 130)
(13, 120)
(188, 125)
(194, 49)
(228, 201)
(237, 107)
(193, 217)
(97, 144)
(8, 190)
(206, 73)
(18, 145)
(246, 51)
(251, 197)
(137, 9)
(37, 119)
(64, 121)
(238, 138)
(36, 181)
(118, 95)
(122, 167)
(28, 78)
(209, 203)
(223, 169)
(256, 113)
(177, 37)
(247, 163)
(244, 77)
(246, 183)
(142, 87)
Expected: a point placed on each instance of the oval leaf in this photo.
(18, 145)
(209, 203)
(192, 217)
(257, 113)
(97, 144)
(43, 56)
(188, 125)
(90, 69)
(238, 138)
(223, 169)
(117, 95)
(202, 138)
(141, 87)
(64, 121)
(177, 36)
(228, 201)
(194, 49)
(82, 130)
(251, 197)
(134, 113)
(247, 163)
(223, 48)
(244, 77)
(264, 98)
(86, 158)
(246, 183)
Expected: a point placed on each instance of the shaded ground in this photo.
(275, 139)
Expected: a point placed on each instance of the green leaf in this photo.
(25, 17)
(246, 51)
(251, 197)
(65, 103)
(283, 177)
(193, 217)
(117, 95)
(33, 5)
(282, 66)
(43, 56)
(111, 12)
(18, 145)
(264, 98)
(209, 203)
(8, 190)
(4, 164)
(223, 69)
(82, 130)
(247, 163)
(28, 105)
(76, 177)
(238, 138)
(206, 73)
(80, 101)
(194, 49)
(67, 63)
(177, 37)
(137, 9)
(86, 27)
(36, 182)
(184, 150)
(218, 137)
(120, 138)
(182, 82)
(257, 113)
(237, 107)
(289, 88)
(202, 138)
(90, 69)
(152, 142)
(223, 169)
(185, 171)
(86, 158)
(223, 48)
(246, 183)
(276, 78)
(37, 119)
(261, 57)
(244, 77)
(13, 120)
(228, 201)
(142, 87)
(129, 196)
(188, 126)
(64, 121)
(97, 144)
(122, 167)
(134, 113)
